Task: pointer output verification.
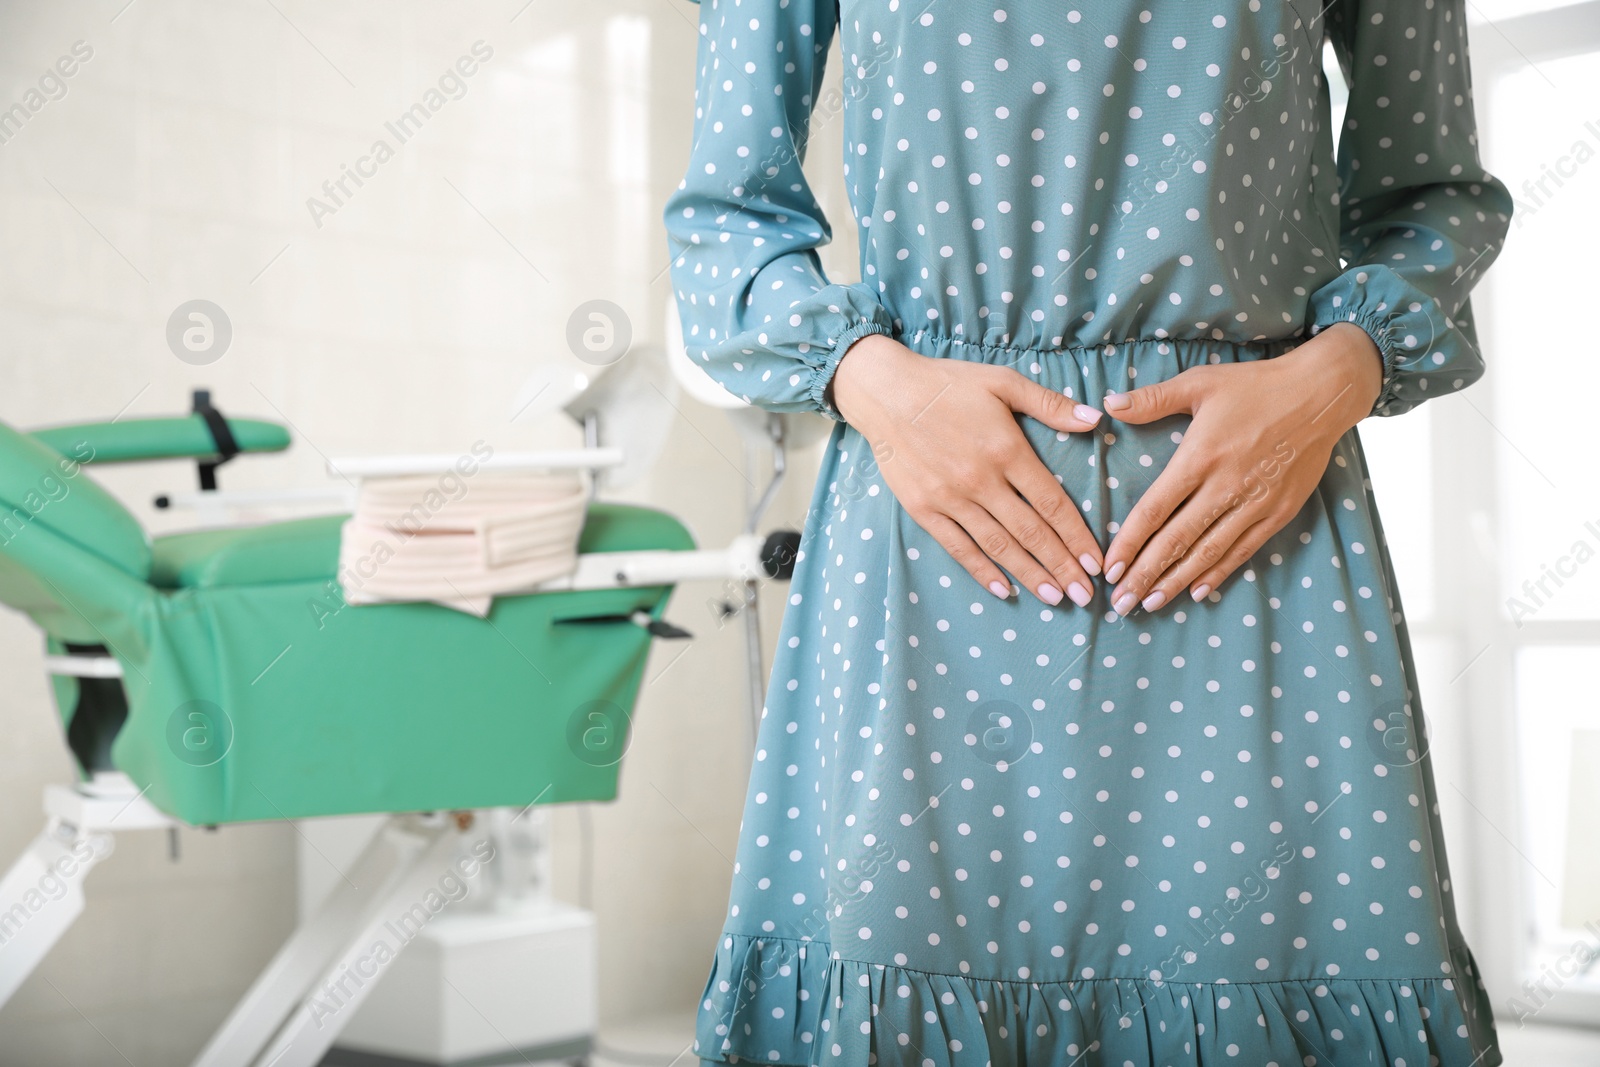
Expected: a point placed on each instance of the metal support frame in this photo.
(319, 978)
(41, 895)
(755, 667)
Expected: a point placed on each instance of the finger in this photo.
(1203, 555)
(999, 545)
(1237, 555)
(965, 551)
(1037, 537)
(1055, 410)
(1044, 494)
(1166, 494)
(1167, 547)
(1175, 396)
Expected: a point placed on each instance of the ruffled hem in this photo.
(783, 1001)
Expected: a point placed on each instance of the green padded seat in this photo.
(298, 551)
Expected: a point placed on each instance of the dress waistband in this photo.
(1189, 351)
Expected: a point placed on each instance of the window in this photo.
(1492, 505)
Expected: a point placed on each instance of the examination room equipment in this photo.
(223, 675)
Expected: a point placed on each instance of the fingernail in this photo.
(1154, 600)
(1089, 564)
(1000, 589)
(1125, 603)
(1049, 593)
(1115, 572)
(1080, 596)
(1117, 401)
(1201, 592)
(1086, 413)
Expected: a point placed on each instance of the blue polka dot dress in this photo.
(988, 832)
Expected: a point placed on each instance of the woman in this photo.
(1018, 797)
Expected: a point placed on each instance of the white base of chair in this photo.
(41, 896)
(298, 1005)
(108, 802)
(331, 963)
(502, 983)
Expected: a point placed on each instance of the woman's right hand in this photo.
(946, 438)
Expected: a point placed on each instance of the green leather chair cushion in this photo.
(301, 550)
(40, 485)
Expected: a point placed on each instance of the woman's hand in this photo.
(949, 447)
(1259, 443)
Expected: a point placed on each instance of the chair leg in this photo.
(42, 895)
(297, 1006)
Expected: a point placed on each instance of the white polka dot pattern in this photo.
(1041, 176)
(981, 831)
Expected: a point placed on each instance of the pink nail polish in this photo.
(1115, 572)
(1154, 600)
(1000, 589)
(1116, 401)
(1086, 413)
(1089, 564)
(1049, 593)
(1125, 604)
(1080, 596)
(1201, 592)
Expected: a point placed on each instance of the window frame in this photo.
(1470, 617)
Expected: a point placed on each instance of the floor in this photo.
(663, 1041)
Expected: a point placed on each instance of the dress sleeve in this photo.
(743, 226)
(1420, 220)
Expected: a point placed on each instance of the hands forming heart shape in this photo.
(1258, 442)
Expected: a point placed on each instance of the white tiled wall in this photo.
(178, 165)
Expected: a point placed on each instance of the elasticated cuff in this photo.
(822, 375)
(1415, 339)
(1388, 356)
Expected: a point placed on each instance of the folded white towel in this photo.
(460, 542)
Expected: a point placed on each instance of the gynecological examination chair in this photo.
(219, 676)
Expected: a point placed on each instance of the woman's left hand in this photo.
(1259, 442)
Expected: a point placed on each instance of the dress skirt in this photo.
(984, 832)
